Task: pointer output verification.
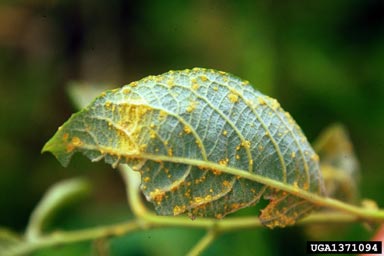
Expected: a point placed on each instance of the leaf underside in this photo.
(182, 129)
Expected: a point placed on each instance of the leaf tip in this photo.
(59, 148)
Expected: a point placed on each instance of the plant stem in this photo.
(145, 219)
(153, 221)
(207, 239)
(66, 237)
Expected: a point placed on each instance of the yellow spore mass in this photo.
(261, 101)
(108, 104)
(233, 97)
(70, 147)
(235, 206)
(246, 144)
(216, 172)
(226, 183)
(178, 209)
(197, 199)
(187, 129)
(129, 127)
(219, 216)
(275, 104)
(195, 86)
(133, 84)
(171, 83)
(76, 141)
(315, 157)
(157, 195)
(224, 162)
(126, 90)
(162, 114)
(191, 107)
(65, 136)
(187, 193)
(202, 200)
(296, 186)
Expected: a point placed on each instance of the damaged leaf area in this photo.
(187, 132)
(339, 165)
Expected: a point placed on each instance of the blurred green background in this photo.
(323, 61)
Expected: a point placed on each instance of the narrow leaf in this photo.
(59, 195)
(8, 240)
(188, 132)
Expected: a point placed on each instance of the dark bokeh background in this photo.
(323, 60)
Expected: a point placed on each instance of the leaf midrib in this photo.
(276, 184)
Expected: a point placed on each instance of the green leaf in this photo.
(339, 165)
(205, 142)
(82, 93)
(8, 240)
(58, 196)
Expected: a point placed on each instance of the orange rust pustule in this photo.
(74, 143)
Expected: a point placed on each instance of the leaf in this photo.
(82, 93)
(8, 240)
(200, 138)
(58, 196)
(339, 164)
